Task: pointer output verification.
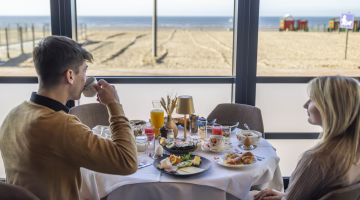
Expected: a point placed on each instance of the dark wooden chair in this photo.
(175, 191)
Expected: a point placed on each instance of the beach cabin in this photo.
(356, 25)
(334, 24)
(287, 23)
(302, 25)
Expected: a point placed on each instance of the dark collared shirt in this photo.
(50, 103)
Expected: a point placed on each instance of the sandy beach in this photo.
(183, 52)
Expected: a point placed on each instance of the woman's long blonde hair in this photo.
(338, 100)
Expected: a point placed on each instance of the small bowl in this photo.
(253, 135)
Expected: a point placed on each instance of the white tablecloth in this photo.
(237, 182)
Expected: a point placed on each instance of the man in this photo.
(43, 147)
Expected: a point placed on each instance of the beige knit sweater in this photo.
(307, 182)
(43, 150)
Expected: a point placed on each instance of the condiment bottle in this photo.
(150, 151)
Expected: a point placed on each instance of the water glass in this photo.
(170, 134)
(202, 129)
(226, 132)
(141, 143)
(150, 150)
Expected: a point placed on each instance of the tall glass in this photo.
(202, 128)
(157, 117)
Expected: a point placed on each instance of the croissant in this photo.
(247, 158)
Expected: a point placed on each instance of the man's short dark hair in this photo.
(54, 55)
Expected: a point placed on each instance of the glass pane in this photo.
(137, 104)
(282, 110)
(302, 38)
(282, 107)
(290, 151)
(22, 24)
(193, 38)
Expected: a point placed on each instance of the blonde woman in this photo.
(334, 105)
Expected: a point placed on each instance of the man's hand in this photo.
(106, 93)
(268, 194)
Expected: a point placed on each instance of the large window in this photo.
(193, 37)
(22, 24)
(302, 38)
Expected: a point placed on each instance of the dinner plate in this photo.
(204, 165)
(221, 161)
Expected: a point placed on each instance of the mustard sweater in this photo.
(43, 149)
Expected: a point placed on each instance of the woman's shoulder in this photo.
(318, 160)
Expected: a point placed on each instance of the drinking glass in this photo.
(248, 144)
(226, 132)
(202, 129)
(157, 117)
(216, 130)
(170, 135)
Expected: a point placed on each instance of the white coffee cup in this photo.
(89, 89)
(216, 142)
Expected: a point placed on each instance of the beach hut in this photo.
(287, 23)
(302, 25)
(333, 24)
(357, 25)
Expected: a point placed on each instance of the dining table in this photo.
(217, 182)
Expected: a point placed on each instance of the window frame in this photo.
(244, 79)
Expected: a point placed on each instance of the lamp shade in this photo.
(185, 105)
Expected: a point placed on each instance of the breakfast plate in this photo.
(239, 160)
(183, 171)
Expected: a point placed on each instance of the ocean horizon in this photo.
(163, 21)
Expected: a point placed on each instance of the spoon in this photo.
(246, 126)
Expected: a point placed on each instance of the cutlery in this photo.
(144, 165)
(259, 158)
(246, 126)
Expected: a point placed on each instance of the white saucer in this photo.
(205, 147)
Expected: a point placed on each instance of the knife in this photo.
(144, 165)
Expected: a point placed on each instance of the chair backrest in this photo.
(351, 192)
(230, 114)
(173, 191)
(91, 114)
(13, 192)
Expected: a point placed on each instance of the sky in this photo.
(184, 7)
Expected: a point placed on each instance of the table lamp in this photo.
(185, 106)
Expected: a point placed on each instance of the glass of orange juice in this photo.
(157, 117)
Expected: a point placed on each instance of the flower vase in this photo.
(170, 124)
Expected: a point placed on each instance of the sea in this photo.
(144, 22)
